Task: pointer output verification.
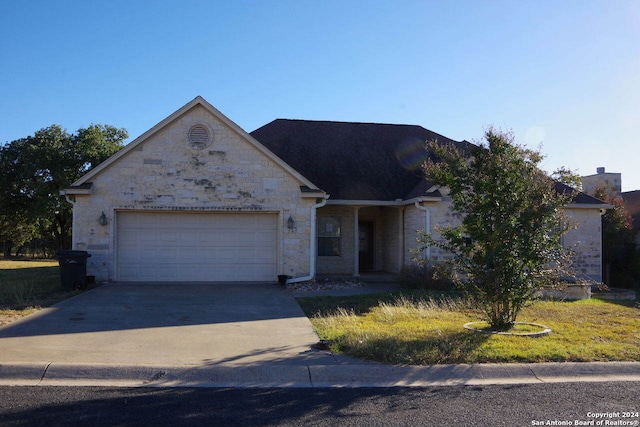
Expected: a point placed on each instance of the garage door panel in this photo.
(163, 255)
(244, 238)
(229, 256)
(262, 255)
(224, 237)
(264, 223)
(155, 246)
(263, 238)
(147, 239)
(208, 238)
(187, 236)
(127, 271)
(168, 236)
(167, 221)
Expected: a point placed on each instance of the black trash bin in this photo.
(73, 269)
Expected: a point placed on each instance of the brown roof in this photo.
(579, 197)
(363, 161)
(354, 161)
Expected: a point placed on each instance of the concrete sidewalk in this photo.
(311, 376)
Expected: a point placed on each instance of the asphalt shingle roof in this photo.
(354, 161)
(363, 161)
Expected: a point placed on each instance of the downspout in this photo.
(605, 271)
(66, 196)
(427, 226)
(312, 244)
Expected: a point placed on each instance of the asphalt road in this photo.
(512, 405)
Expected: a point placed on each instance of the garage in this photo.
(193, 247)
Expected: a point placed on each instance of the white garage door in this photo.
(189, 247)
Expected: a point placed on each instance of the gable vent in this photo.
(199, 136)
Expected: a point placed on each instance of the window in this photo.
(328, 236)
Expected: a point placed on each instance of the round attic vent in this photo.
(200, 136)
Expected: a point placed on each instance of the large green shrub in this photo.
(507, 246)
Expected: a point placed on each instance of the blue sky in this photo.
(561, 73)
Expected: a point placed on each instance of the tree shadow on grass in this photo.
(619, 301)
(21, 288)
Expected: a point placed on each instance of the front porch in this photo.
(365, 239)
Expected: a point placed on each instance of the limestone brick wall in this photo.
(585, 241)
(165, 173)
(343, 264)
(416, 223)
(390, 239)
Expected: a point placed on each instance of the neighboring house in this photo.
(196, 198)
(611, 180)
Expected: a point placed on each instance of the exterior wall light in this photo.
(291, 225)
(102, 220)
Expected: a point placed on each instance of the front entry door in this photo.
(366, 258)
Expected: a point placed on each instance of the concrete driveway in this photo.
(167, 324)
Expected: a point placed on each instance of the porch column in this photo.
(356, 242)
(401, 237)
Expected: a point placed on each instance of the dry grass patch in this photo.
(26, 286)
(423, 330)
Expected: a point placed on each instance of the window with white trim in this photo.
(328, 230)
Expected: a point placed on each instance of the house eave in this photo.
(74, 190)
(398, 202)
(422, 199)
(314, 195)
(589, 206)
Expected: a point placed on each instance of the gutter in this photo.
(601, 206)
(398, 202)
(312, 244)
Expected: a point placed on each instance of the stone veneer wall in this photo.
(164, 173)
(342, 264)
(390, 232)
(416, 223)
(585, 241)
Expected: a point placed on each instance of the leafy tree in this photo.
(35, 168)
(568, 177)
(15, 231)
(618, 239)
(507, 246)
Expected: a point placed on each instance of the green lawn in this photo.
(417, 330)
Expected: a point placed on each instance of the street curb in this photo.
(311, 376)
